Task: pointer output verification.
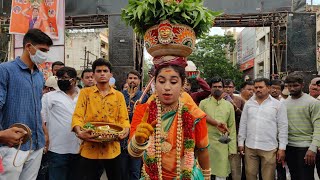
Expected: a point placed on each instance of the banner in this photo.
(56, 52)
(247, 65)
(46, 69)
(40, 14)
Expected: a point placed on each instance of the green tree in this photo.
(210, 58)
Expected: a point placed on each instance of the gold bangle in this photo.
(136, 150)
(206, 172)
(134, 154)
(143, 146)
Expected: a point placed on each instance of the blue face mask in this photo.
(39, 57)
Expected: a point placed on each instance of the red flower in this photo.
(187, 125)
(152, 171)
(152, 112)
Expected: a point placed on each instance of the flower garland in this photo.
(153, 167)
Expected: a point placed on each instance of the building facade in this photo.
(253, 52)
(262, 59)
(246, 51)
(82, 47)
(232, 31)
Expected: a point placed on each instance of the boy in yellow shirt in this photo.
(100, 103)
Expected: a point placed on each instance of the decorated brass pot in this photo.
(168, 39)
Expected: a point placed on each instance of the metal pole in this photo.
(278, 60)
(85, 56)
(272, 49)
(88, 56)
(286, 49)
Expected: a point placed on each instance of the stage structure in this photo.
(293, 38)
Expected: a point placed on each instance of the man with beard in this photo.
(314, 89)
(218, 108)
(304, 127)
(57, 109)
(131, 167)
(263, 121)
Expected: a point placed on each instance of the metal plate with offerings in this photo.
(104, 132)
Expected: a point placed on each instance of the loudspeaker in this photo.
(301, 42)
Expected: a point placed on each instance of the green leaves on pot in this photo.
(143, 14)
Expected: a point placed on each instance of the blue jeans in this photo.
(43, 171)
(131, 167)
(62, 166)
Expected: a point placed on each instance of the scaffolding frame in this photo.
(277, 21)
(86, 21)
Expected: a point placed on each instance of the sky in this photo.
(315, 2)
(220, 31)
(216, 31)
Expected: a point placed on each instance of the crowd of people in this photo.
(175, 131)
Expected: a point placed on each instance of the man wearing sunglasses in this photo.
(57, 109)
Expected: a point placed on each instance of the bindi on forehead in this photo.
(168, 73)
(168, 70)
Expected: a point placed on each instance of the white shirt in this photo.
(57, 110)
(261, 125)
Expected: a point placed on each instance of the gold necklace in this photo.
(165, 145)
(165, 109)
(158, 144)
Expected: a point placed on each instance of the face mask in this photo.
(39, 57)
(217, 93)
(64, 85)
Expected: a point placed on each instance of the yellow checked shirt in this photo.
(93, 107)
